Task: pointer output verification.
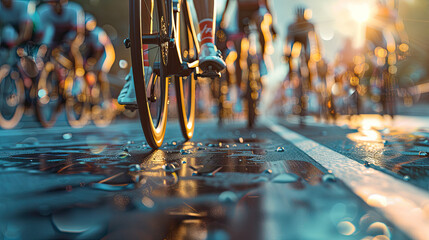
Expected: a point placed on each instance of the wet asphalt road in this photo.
(228, 183)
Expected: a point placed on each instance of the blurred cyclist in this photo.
(98, 51)
(303, 31)
(209, 57)
(15, 23)
(259, 12)
(64, 24)
(386, 30)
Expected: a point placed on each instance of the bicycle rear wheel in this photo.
(12, 98)
(101, 100)
(77, 105)
(151, 82)
(49, 99)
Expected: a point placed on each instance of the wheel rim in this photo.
(185, 92)
(48, 97)
(11, 98)
(150, 82)
(102, 112)
(77, 104)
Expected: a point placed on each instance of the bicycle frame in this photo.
(176, 64)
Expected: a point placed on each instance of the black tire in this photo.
(49, 98)
(12, 97)
(77, 105)
(102, 113)
(153, 112)
(185, 86)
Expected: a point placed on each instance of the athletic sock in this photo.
(206, 29)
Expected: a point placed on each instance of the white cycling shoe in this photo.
(211, 57)
(128, 92)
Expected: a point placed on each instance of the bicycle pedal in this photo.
(209, 74)
(131, 107)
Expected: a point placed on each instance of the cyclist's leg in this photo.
(209, 56)
(238, 71)
(128, 92)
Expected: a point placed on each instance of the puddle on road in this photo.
(211, 192)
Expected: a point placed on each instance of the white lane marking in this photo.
(403, 204)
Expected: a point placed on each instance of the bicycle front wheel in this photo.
(12, 98)
(49, 99)
(185, 92)
(149, 60)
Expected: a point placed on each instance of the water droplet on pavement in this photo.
(423, 154)
(30, 141)
(124, 154)
(280, 149)
(268, 171)
(185, 151)
(285, 178)
(134, 168)
(241, 140)
(170, 167)
(228, 197)
(184, 162)
(67, 136)
(366, 163)
(406, 178)
(329, 177)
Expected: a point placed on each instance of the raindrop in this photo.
(268, 171)
(31, 141)
(67, 136)
(227, 146)
(124, 154)
(220, 144)
(134, 168)
(184, 162)
(113, 188)
(212, 145)
(185, 151)
(234, 145)
(285, 178)
(248, 145)
(329, 177)
(423, 154)
(199, 144)
(130, 142)
(406, 178)
(170, 167)
(173, 143)
(228, 197)
(241, 140)
(280, 149)
(366, 163)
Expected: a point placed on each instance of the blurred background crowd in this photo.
(356, 56)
